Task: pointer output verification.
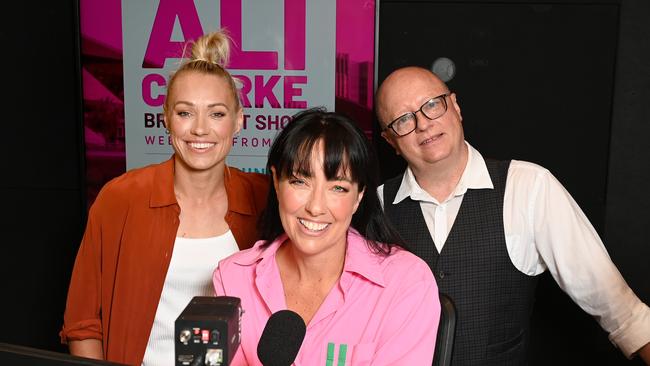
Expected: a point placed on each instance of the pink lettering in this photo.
(265, 91)
(290, 92)
(294, 34)
(147, 96)
(160, 46)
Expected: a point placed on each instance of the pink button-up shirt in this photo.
(382, 311)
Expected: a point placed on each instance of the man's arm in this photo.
(91, 348)
(577, 259)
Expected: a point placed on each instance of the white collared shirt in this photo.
(545, 229)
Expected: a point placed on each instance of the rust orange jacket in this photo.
(126, 249)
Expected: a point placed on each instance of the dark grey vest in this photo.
(493, 299)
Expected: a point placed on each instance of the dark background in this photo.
(562, 84)
(42, 183)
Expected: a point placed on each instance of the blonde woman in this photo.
(154, 234)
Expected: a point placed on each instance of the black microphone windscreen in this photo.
(281, 339)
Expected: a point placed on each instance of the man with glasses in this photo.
(487, 228)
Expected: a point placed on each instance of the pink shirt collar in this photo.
(356, 259)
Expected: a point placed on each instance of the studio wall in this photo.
(42, 173)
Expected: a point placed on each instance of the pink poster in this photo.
(103, 68)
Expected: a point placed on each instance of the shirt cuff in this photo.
(634, 333)
(85, 329)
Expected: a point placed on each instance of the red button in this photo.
(205, 335)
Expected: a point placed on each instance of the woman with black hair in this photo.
(328, 253)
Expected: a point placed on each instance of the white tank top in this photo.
(190, 274)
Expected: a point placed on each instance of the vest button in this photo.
(442, 274)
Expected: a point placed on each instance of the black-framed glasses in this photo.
(408, 122)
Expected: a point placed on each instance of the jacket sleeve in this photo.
(82, 318)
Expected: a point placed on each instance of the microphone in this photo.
(281, 339)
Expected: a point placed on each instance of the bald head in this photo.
(406, 84)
